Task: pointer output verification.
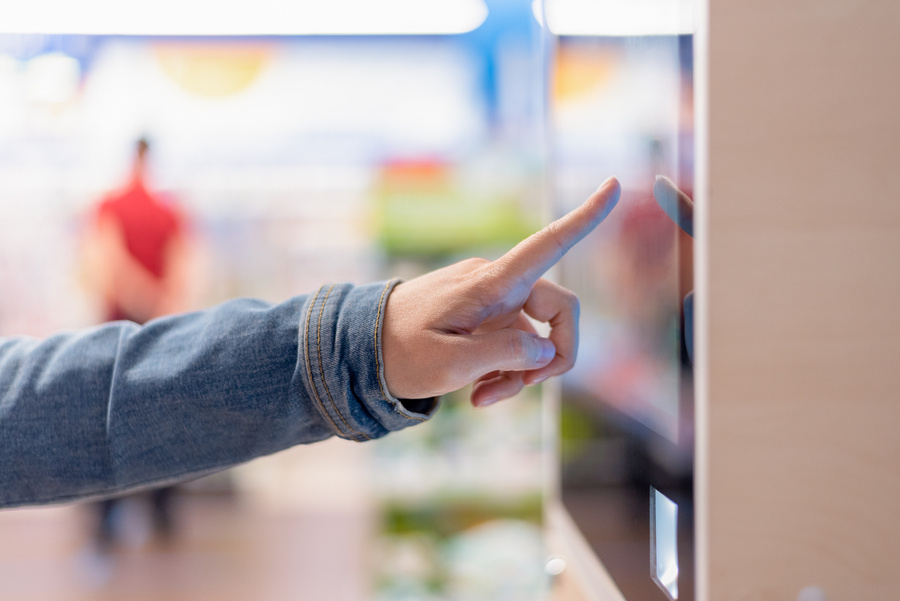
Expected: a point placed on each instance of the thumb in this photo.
(508, 349)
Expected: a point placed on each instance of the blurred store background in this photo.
(299, 160)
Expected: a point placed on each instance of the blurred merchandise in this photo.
(461, 504)
(462, 549)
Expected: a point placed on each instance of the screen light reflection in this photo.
(664, 543)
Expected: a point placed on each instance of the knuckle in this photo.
(568, 307)
(555, 234)
(467, 270)
(488, 286)
(568, 299)
(473, 263)
(477, 273)
(573, 302)
(566, 361)
(518, 349)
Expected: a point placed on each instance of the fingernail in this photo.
(488, 401)
(548, 351)
(606, 182)
(613, 200)
(539, 379)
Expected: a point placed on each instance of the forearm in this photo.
(121, 406)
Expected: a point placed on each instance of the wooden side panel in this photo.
(802, 302)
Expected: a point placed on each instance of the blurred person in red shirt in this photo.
(134, 264)
(135, 250)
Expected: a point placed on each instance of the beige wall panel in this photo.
(803, 300)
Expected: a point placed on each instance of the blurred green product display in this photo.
(423, 210)
(447, 516)
(473, 549)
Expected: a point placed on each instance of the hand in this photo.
(467, 322)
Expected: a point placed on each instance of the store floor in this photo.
(222, 550)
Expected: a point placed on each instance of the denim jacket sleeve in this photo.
(121, 406)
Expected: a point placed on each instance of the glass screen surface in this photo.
(623, 106)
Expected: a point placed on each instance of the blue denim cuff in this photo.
(340, 340)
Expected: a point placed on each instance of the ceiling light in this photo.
(234, 17)
(616, 17)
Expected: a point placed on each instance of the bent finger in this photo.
(557, 306)
(496, 386)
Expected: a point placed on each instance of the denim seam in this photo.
(322, 369)
(312, 381)
(378, 372)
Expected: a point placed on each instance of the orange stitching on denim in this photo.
(322, 366)
(377, 363)
(312, 382)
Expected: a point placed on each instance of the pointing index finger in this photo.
(532, 257)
